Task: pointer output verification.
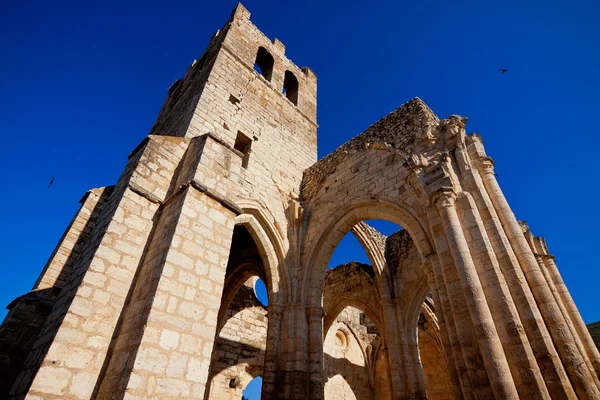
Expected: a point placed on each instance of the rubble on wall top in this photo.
(395, 131)
(348, 267)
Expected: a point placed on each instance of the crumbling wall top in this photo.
(396, 131)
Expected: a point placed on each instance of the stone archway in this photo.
(430, 177)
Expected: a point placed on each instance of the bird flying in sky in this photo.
(503, 70)
(51, 182)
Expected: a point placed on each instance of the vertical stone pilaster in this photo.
(393, 332)
(574, 363)
(293, 381)
(484, 329)
(571, 309)
(315, 332)
(447, 331)
(408, 350)
(271, 365)
(547, 358)
(565, 313)
(473, 378)
(519, 355)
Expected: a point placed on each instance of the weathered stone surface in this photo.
(150, 291)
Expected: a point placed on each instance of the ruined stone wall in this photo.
(350, 284)
(238, 355)
(349, 371)
(60, 264)
(394, 132)
(405, 265)
(435, 366)
(28, 313)
(139, 264)
(84, 317)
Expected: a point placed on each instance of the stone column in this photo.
(547, 358)
(571, 309)
(315, 332)
(471, 369)
(444, 316)
(519, 355)
(293, 381)
(415, 381)
(570, 324)
(572, 359)
(271, 365)
(392, 338)
(489, 344)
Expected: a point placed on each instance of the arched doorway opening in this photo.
(356, 363)
(398, 281)
(238, 354)
(351, 348)
(431, 353)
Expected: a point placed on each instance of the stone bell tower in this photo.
(136, 282)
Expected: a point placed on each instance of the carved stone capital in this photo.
(443, 199)
(549, 257)
(485, 165)
(315, 312)
(275, 311)
(387, 301)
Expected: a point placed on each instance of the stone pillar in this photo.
(315, 332)
(519, 355)
(409, 352)
(271, 365)
(392, 338)
(575, 365)
(485, 332)
(572, 311)
(471, 370)
(415, 376)
(444, 316)
(563, 310)
(293, 380)
(549, 363)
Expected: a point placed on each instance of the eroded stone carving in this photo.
(151, 293)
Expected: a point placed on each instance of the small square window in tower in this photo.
(243, 144)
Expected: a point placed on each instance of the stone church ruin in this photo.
(149, 294)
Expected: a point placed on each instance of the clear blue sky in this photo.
(81, 84)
